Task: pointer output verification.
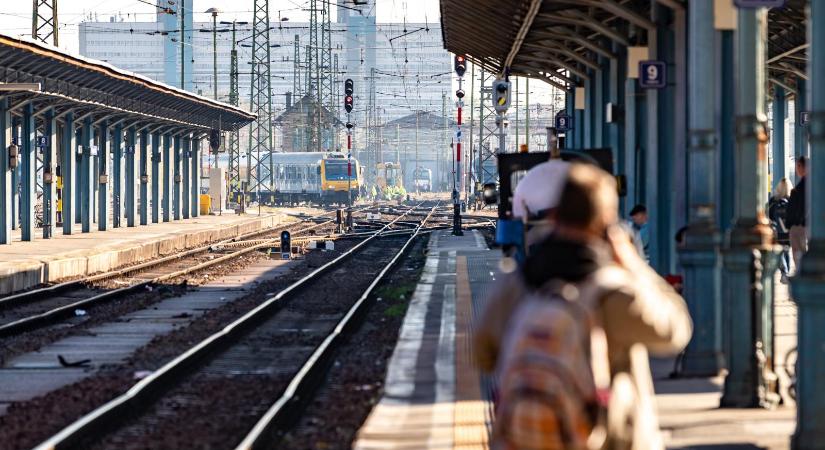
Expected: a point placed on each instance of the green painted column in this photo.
(105, 173)
(186, 181)
(5, 173)
(27, 173)
(808, 288)
(779, 169)
(68, 170)
(195, 173)
(49, 176)
(129, 179)
(168, 173)
(176, 165)
(747, 313)
(700, 257)
(144, 177)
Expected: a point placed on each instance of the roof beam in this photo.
(543, 58)
(567, 52)
(568, 35)
(788, 53)
(616, 9)
(522, 33)
(578, 18)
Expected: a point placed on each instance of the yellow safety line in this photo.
(470, 430)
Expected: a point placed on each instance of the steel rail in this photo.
(308, 376)
(48, 291)
(146, 390)
(45, 318)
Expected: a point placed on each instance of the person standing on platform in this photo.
(797, 215)
(572, 358)
(778, 214)
(641, 231)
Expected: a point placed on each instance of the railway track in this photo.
(253, 370)
(43, 307)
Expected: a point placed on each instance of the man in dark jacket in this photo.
(797, 214)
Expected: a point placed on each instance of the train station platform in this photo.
(435, 399)
(27, 264)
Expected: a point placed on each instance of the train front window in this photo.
(337, 171)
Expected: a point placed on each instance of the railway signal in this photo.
(501, 95)
(349, 87)
(348, 103)
(460, 65)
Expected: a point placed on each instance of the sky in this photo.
(15, 15)
(15, 19)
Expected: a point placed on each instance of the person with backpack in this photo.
(572, 361)
(778, 214)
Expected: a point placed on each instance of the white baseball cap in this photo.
(540, 189)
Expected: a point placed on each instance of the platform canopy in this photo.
(560, 41)
(73, 82)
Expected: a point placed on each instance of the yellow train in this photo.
(311, 177)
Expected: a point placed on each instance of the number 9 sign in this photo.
(652, 74)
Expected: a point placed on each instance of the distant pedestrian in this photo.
(580, 315)
(641, 232)
(797, 214)
(778, 214)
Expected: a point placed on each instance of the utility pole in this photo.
(415, 172)
(182, 11)
(297, 87)
(260, 131)
(44, 21)
(234, 136)
(214, 12)
(527, 113)
(472, 175)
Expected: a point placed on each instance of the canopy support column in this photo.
(6, 217)
(749, 249)
(144, 177)
(176, 198)
(808, 288)
(49, 187)
(168, 173)
(186, 151)
(27, 174)
(68, 172)
(195, 202)
(103, 175)
(131, 203)
(156, 160)
(700, 255)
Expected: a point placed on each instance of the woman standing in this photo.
(777, 212)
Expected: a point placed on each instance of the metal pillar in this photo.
(749, 382)
(49, 180)
(195, 172)
(186, 156)
(587, 113)
(176, 165)
(808, 288)
(131, 203)
(487, 171)
(5, 173)
(779, 169)
(117, 176)
(727, 131)
(15, 175)
(103, 180)
(144, 177)
(700, 256)
(156, 160)
(27, 174)
(78, 191)
(598, 107)
(68, 172)
(801, 138)
(260, 131)
(86, 188)
(168, 173)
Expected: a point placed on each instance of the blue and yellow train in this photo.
(311, 177)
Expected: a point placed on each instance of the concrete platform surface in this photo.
(27, 264)
(435, 399)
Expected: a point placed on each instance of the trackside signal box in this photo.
(286, 245)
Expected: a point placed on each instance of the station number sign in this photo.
(563, 122)
(652, 74)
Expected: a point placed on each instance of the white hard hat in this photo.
(540, 189)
